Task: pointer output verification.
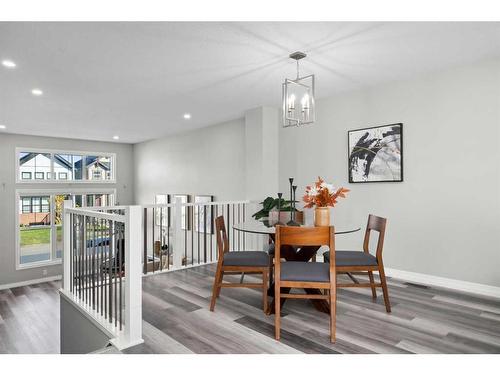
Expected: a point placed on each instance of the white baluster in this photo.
(67, 245)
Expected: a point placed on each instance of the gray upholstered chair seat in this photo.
(305, 271)
(246, 258)
(351, 258)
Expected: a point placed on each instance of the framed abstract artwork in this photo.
(185, 211)
(203, 215)
(162, 215)
(376, 154)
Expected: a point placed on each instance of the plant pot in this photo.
(322, 217)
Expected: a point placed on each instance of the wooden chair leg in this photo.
(277, 310)
(384, 288)
(264, 290)
(216, 288)
(271, 264)
(372, 283)
(220, 282)
(333, 310)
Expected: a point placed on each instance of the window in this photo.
(69, 166)
(98, 167)
(34, 229)
(58, 166)
(33, 164)
(40, 238)
(26, 205)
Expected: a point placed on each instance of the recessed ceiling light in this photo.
(187, 116)
(115, 137)
(37, 92)
(8, 64)
(2, 127)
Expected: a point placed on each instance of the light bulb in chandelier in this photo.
(300, 90)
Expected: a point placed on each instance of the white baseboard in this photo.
(443, 282)
(30, 282)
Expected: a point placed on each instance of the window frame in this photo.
(53, 152)
(51, 193)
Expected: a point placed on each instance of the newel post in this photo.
(67, 245)
(178, 233)
(133, 275)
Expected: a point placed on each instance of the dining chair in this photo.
(237, 262)
(305, 275)
(362, 262)
(299, 218)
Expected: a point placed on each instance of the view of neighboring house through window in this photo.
(98, 200)
(98, 167)
(34, 164)
(68, 166)
(56, 166)
(35, 229)
(39, 214)
(40, 223)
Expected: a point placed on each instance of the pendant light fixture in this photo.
(298, 97)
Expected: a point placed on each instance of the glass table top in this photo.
(265, 227)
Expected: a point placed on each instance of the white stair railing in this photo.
(102, 269)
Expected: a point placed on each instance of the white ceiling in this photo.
(137, 80)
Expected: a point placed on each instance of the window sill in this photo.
(44, 263)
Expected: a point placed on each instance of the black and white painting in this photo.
(203, 214)
(162, 215)
(376, 154)
(185, 210)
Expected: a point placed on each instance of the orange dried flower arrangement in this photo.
(322, 194)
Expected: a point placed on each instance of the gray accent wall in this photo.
(444, 219)
(8, 209)
(210, 160)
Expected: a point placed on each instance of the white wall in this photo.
(8, 209)
(262, 156)
(206, 161)
(444, 219)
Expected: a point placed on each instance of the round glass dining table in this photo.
(291, 253)
(265, 227)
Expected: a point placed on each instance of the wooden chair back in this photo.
(376, 224)
(304, 236)
(221, 235)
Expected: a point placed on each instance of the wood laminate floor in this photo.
(176, 319)
(423, 320)
(29, 319)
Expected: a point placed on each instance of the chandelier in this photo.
(298, 97)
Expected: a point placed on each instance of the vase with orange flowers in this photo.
(322, 196)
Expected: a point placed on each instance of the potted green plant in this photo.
(269, 204)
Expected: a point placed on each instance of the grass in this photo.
(34, 236)
(41, 235)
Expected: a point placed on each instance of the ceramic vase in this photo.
(322, 217)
